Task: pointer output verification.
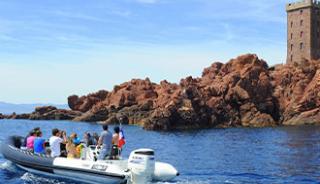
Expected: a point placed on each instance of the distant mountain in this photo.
(9, 108)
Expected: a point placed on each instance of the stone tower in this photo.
(303, 40)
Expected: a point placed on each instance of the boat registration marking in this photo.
(85, 165)
(99, 167)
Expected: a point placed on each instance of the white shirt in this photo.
(55, 142)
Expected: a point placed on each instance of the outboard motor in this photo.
(141, 164)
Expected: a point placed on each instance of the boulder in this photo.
(85, 103)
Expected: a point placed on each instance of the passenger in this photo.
(55, 142)
(115, 142)
(39, 144)
(24, 144)
(71, 149)
(79, 150)
(105, 141)
(88, 139)
(26, 137)
(30, 140)
(63, 149)
(76, 140)
(115, 136)
(95, 138)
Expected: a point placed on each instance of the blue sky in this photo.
(51, 49)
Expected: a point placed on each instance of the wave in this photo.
(8, 166)
(35, 179)
(186, 182)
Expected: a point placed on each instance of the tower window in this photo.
(291, 24)
(291, 57)
(301, 34)
(301, 11)
(301, 46)
(301, 22)
(291, 47)
(291, 36)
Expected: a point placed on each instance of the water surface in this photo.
(235, 155)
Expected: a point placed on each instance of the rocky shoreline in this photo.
(243, 92)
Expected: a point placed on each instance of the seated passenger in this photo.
(88, 139)
(79, 149)
(76, 140)
(95, 139)
(24, 144)
(30, 140)
(71, 149)
(55, 142)
(39, 144)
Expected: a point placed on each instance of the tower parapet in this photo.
(302, 4)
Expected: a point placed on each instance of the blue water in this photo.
(236, 155)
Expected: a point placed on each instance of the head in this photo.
(39, 133)
(87, 135)
(33, 133)
(105, 127)
(37, 129)
(73, 135)
(116, 129)
(56, 132)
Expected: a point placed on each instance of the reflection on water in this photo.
(237, 155)
(304, 148)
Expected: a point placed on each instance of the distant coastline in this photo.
(245, 92)
(9, 108)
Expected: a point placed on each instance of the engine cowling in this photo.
(141, 164)
(164, 172)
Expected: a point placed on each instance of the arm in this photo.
(44, 144)
(100, 141)
(64, 136)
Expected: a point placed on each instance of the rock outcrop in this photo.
(46, 113)
(243, 92)
(297, 88)
(85, 103)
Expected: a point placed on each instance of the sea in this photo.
(230, 156)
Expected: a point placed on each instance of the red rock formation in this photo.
(242, 92)
(297, 87)
(52, 113)
(85, 103)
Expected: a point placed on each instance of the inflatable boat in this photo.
(140, 168)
